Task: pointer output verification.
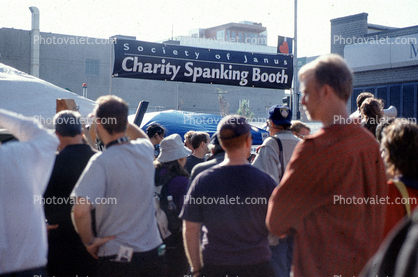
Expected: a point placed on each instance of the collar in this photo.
(117, 141)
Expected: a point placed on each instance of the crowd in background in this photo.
(166, 217)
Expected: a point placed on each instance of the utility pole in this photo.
(295, 91)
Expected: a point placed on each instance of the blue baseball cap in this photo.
(280, 115)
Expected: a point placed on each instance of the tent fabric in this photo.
(25, 94)
(180, 122)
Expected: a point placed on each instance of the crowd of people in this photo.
(157, 205)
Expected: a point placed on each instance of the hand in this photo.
(51, 227)
(93, 248)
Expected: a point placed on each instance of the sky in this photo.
(151, 20)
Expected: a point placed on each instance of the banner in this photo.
(166, 62)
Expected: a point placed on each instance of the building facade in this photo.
(384, 61)
(69, 61)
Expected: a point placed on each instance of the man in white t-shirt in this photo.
(25, 168)
(119, 185)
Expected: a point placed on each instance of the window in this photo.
(240, 37)
(408, 101)
(382, 93)
(233, 36)
(262, 38)
(252, 38)
(92, 67)
(220, 35)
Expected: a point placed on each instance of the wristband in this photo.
(90, 242)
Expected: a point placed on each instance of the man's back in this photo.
(235, 231)
(123, 174)
(191, 162)
(333, 238)
(69, 164)
(67, 255)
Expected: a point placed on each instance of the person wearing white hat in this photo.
(172, 179)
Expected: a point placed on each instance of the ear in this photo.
(326, 91)
(249, 141)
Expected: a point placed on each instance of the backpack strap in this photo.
(279, 142)
(404, 192)
(160, 185)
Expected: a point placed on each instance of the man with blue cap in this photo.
(272, 158)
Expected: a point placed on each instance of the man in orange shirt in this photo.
(325, 195)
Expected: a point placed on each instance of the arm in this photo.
(298, 193)
(81, 216)
(191, 238)
(267, 160)
(134, 132)
(35, 151)
(23, 128)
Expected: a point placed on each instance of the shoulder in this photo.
(254, 171)
(204, 165)
(143, 142)
(269, 142)
(97, 158)
(287, 135)
(180, 180)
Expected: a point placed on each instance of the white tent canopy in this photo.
(22, 93)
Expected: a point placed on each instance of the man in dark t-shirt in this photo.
(67, 256)
(228, 202)
(200, 142)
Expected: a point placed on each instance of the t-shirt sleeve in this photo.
(191, 210)
(92, 182)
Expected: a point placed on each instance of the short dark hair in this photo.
(400, 141)
(155, 128)
(68, 123)
(331, 70)
(198, 138)
(112, 113)
(363, 96)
